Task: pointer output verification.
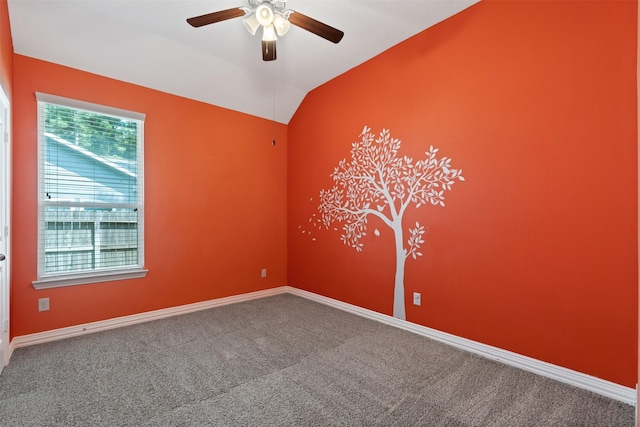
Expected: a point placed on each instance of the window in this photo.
(90, 185)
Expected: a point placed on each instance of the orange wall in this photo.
(215, 201)
(6, 50)
(536, 252)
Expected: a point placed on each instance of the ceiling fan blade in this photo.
(316, 27)
(268, 50)
(211, 18)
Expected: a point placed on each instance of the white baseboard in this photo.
(565, 375)
(103, 325)
(606, 388)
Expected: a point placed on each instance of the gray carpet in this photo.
(280, 361)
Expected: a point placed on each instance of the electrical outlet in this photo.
(43, 304)
(416, 298)
(263, 274)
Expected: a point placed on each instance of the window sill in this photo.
(86, 278)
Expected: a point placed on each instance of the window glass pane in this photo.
(88, 239)
(89, 157)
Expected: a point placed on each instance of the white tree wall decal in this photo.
(379, 182)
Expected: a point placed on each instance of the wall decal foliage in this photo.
(378, 181)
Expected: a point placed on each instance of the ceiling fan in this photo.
(275, 21)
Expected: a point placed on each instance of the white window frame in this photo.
(54, 280)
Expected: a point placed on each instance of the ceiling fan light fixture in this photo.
(269, 33)
(264, 14)
(251, 24)
(281, 24)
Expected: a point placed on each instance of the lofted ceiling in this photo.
(149, 43)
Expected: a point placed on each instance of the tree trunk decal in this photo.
(379, 182)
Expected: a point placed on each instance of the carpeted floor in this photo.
(281, 361)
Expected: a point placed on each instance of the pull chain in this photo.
(273, 141)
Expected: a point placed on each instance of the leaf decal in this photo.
(379, 180)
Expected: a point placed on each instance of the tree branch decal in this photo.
(378, 181)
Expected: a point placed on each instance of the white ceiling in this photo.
(149, 43)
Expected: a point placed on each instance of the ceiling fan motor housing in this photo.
(276, 5)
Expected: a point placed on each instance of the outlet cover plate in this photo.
(43, 304)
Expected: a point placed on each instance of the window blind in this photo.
(90, 187)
